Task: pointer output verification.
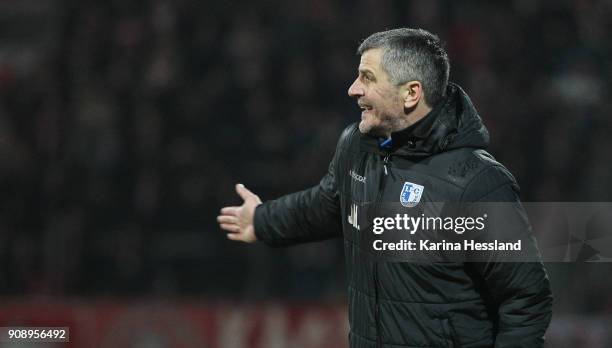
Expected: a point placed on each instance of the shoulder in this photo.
(349, 136)
(348, 143)
(486, 177)
(461, 166)
(475, 171)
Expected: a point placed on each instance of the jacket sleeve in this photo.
(519, 290)
(305, 216)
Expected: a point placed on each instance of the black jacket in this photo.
(483, 304)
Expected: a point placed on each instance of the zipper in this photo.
(381, 188)
(385, 160)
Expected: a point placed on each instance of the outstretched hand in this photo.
(238, 220)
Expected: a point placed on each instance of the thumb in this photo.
(243, 192)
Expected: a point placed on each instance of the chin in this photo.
(368, 128)
(365, 127)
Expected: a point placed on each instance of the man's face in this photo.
(378, 98)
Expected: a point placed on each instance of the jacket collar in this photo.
(452, 123)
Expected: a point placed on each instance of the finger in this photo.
(233, 211)
(243, 192)
(230, 227)
(227, 219)
(234, 236)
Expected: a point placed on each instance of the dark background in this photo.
(124, 126)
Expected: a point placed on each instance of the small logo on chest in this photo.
(357, 177)
(411, 194)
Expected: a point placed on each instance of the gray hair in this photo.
(412, 55)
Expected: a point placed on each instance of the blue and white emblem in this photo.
(411, 194)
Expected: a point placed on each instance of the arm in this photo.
(520, 290)
(305, 216)
(309, 215)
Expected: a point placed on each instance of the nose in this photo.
(356, 89)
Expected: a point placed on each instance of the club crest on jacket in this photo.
(411, 194)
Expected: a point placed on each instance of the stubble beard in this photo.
(382, 128)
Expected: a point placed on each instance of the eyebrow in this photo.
(367, 72)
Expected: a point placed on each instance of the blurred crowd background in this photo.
(125, 124)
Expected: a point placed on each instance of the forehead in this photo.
(370, 60)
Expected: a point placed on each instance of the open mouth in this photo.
(365, 107)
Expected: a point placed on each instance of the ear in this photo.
(412, 93)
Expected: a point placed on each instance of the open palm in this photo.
(238, 220)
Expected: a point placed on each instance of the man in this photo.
(415, 128)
